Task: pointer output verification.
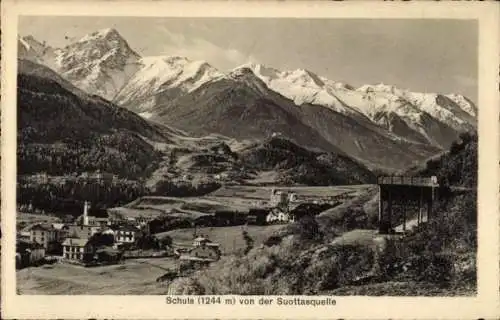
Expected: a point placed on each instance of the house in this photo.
(199, 241)
(98, 176)
(205, 252)
(98, 221)
(143, 220)
(126, 234)
(205, 249)
(42, 178)
(81, 231)
(61, 231)
(28, 253)
(25, 233)
(76, 249)
(44, 234)
(108, 230)
(281, 199)
(278, 216)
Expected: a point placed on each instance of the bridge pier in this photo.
(404, 193)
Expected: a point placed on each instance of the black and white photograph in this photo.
(210, 159)
(248, 156)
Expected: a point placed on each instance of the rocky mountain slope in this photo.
(426, 117)
(161, 79)
(99, 63)
(62, 130)
(243, 107)
(383, 126)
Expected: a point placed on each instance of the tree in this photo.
(248, 242)
(308, 228)
(101, 240)
(166, 242)
(147, 242)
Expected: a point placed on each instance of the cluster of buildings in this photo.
(72, 241)
(281, 203)
(96, 176)
(285, 207)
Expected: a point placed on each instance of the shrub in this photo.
(307, 228)
(273, 241)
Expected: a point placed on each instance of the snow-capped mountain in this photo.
(302, 86)
(240, 105)
(412, 115)
(163, 77)
(102, 63)
(441, 107)
(31, 49)
(99, 63)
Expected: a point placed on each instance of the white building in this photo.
(76, 248)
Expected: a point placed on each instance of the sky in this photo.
(424, 55)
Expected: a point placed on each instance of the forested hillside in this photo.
(456, 167)
(61, 133)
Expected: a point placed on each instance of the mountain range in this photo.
(380, 126)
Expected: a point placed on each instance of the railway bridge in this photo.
(405, 193)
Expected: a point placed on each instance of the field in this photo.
(230, 238)
(231, 198)
(306, 193)
(133, 277)
(28, 218)
(138, 276)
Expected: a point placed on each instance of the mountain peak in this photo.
(160, 75)
(304, 76)
(107, 34)
(29, 38)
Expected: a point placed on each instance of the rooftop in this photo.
(75, 242)
(408, 180)
(201, 239)
(42, 226)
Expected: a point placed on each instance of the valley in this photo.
(162, 174)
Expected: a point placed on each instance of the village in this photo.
(91, 241)
(94, 241)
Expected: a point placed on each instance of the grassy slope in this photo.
(134, 277)
(439, 259)
(230, 238)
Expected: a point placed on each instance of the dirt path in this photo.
(356, 237)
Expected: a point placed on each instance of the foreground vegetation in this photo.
(439, 258)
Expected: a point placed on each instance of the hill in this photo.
(60, 132)
(299, 165)
(437, 258)
(241, 106)
(456, 167)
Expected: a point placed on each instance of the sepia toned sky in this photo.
(418, 54)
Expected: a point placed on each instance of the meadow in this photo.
(137, 276)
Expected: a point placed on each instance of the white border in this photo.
(485, 305)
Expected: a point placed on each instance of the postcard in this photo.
(250, 160)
